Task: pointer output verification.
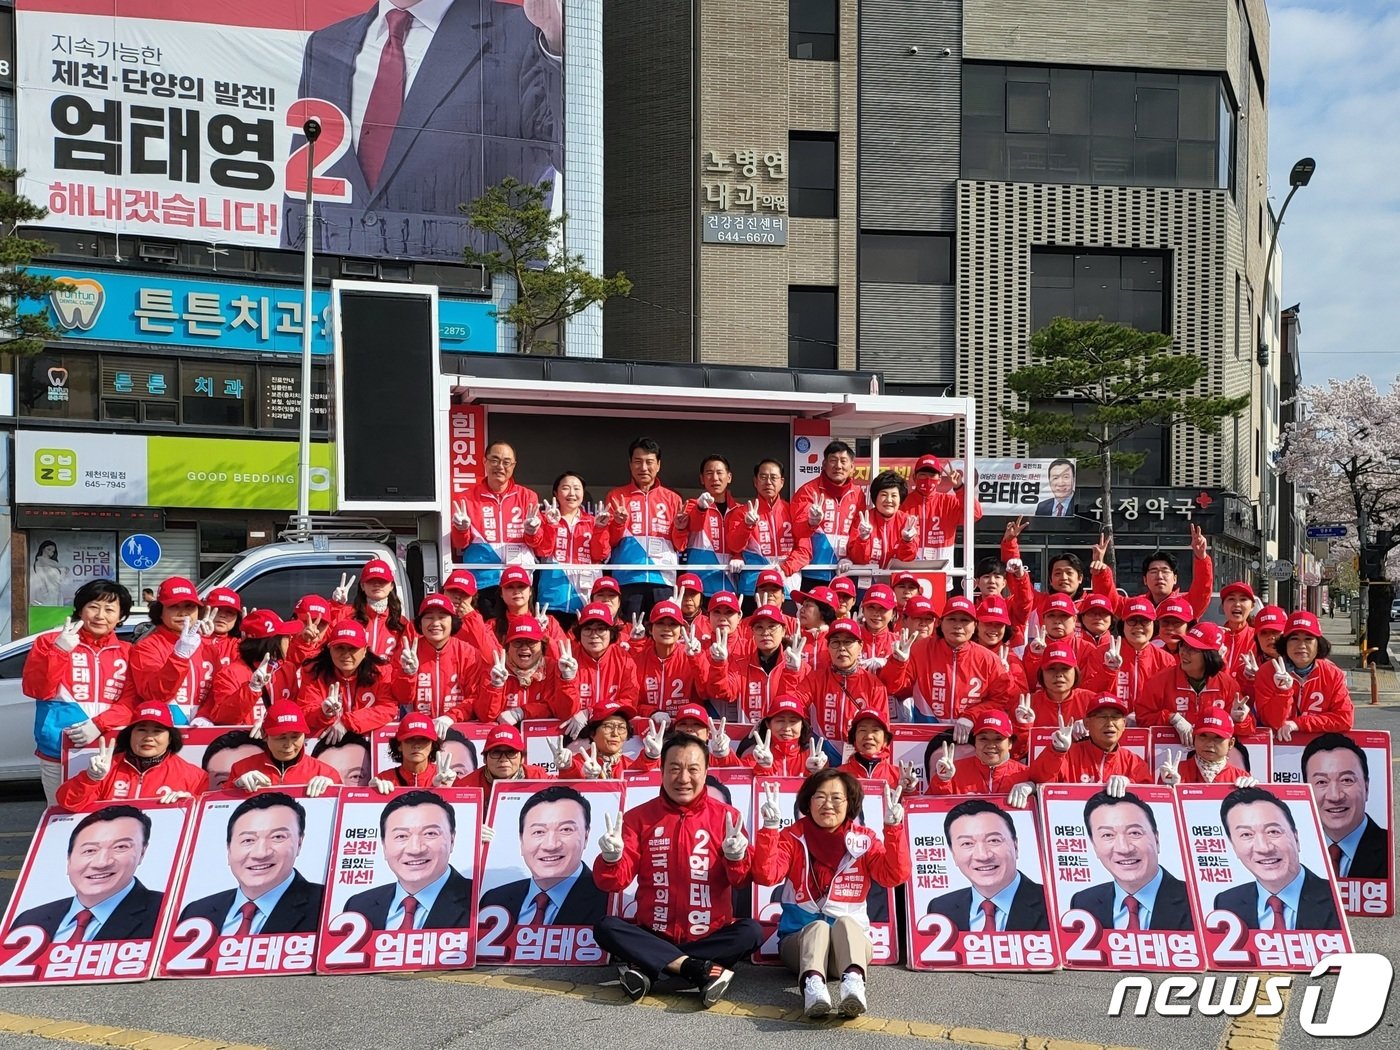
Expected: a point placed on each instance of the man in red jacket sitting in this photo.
(688, 852)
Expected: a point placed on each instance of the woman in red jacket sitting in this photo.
(871, 760)
(783, 744)
(143, 762)
(1303, 691)
(421, 761)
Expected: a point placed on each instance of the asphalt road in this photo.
(566, 1008)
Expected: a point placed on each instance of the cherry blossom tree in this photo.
(1345, 451)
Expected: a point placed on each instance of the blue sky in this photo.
(1335, 96)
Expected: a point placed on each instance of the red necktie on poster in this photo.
(410, 909)
(385, 98)
(1276, 907)
(989, 917)
(1334, 853)
(541, 900)
(83, 919)
(1131, 903)
(249, 911)
(1059, 507)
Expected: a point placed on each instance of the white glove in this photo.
(1169, 772)
(592, 769)
(254, 780)
(816, 758)
(962, 730)
(498, 674)
(719, 739)
(100, 764)
(189, 641)
(199, 721)
(574, 724)
(610, 845)
(445, 776)
(550, 509)
(488, 833)
(908, 777)
(863, 527)
(532, 523)
(67, 639)
(639, 626)
(603, 516)
(1285, 732)
(661, 718)
(736, 566)
(1025, 710)
(408, 660)
(257, 681)
(652, 739)
(460, 520)
(734, 846)
(1184, 732)
(341, 594)
(168, 796)
(1062, 737)
(511, 716)
(762, 753)
(910, 532)
(1117, 786)
(331, 705)
(205, 623)
(542, 615)
(442, 723)
(844, 566)
(566, 664)
(1282, 679)
(814, 515)
(719, 646)
(945, 768)
(1015, 567)
(906, 708)
(563, 757)
(316, 786)
(1249, 666)
(792, 653)
(691, 643)
(904, 645)
(1246, 781)
(1038, 643)
(894, 810)
(335, 732)
(751, 513)
(704, 501)
(770, 811)
(1020, 795)
(1079, 729)
(1113, 656)
(384, 787)
(873, 664)
(1240, 710)
(81, 734)
(256, 732)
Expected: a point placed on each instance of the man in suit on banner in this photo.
(982, 839)
(1142, 895)
(1337, 771)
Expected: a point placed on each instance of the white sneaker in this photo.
(816, 1000)
(852, 995)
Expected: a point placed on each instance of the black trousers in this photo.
(640, 597)
(650, 953)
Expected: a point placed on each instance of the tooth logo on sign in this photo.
(77, 303)
(58, 376)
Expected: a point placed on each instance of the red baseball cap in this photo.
(770, 578)
(460, 580)
(175, 590)
(1095, 601)
(1238, 587)
(596, 612)
(311, 605)
(284, 717)
(1141, 608)
(1303, 622)
(1205, 637)
(1061, 655)
(666, 611)
(1176, 609)
(264, 623)
(993, 722)
(903, 576)
(870, 712)
(771, 613)
(1215, 720)
(606, 583)
(224, 598)
(725, 600)
(515, 576)
(1107, 700)
(524, 629)
(377, 569)
(993, 610)
(786, 703)
(1270, 618)
(606, 710)
(157, 713)
(438, 603)
(1060, 603)
(695, 711)
(845, 625)
(882, 594)
(844, 585)
(416, 725)
(959, 604)
(503, 738)
(821, 595)
(688, 581)
(928, 462)
(349, 632)
(917, 606)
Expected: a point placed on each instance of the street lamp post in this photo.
(312, 130)
(1297, 178)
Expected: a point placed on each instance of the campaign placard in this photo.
(402, 885)
(1261, 875)
(1253, 753)
(249, 899)
(538, 901)
(93, 895)
(1138, 741)
(1349, 775)
(969, 852)
(1118, 901)
(768, 900)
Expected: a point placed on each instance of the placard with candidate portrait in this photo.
(248, 903)
(1260, 870)
(538, 901)
(93, 894)
(1118, 899)
(1138, 741)
(402, 889)
(1252, 753)
(768, 900)
(1350, 777)
(977, 898)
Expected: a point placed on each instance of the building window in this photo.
(906, 258)
(7, 129)
(812, 30)
(1045, 124)
(812, 174)
(1127, 288)
(812, 335)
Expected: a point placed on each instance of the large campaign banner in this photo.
(171, 119)
(1006, 487)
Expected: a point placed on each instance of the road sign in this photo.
(1326, 532)
(1280, 570)
(140, 552)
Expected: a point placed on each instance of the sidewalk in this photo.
(1347, 655)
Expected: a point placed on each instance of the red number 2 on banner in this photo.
(330, 147)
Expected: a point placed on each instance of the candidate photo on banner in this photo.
(1119, 901)
(1261, 875)
(93, 895)
(538, 899)
(977, 898)
(402, 890)
(249, 901)
(1349, 775)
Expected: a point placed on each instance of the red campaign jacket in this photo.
(885, 543)
(224, 647)
(161, 677)
(93, 673)
(1015, 668)
(789, 760)
(383, 642)
(948, 683)
(232, 703)
(872, 645)
(545, 695)
(683, 878)
(476, 632)
(622, 764)
(669, 684)
(783, 856)
(1319, 704)
(840, 505)
(613, 677)
(742, 681)
(1086, 763)
(1073, 707)
(704, 530)
(972, 776)
(299, 772)
(882, 768)
(1130, 680)
(1202, 585)
(940, 516)
(447, 679)
(497, 519)
(1169, 693)
(833, 699)
(125, 781)
(363, 708)
(581, 543)
(651, 518)
(1191, 773)
(1237, 643)
(772, 538)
